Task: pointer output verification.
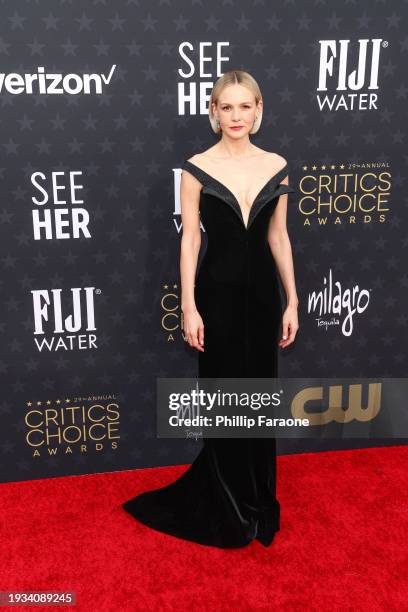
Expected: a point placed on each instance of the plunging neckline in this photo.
(232, 195)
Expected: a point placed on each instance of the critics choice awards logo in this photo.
(345, 194)
(72, 425)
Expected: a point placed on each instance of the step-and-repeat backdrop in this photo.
(100, 105)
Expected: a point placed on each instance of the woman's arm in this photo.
(281, 249)
(189, 249)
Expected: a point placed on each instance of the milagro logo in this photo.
(69, 333)
(336, 75)
(336, 306)
(54, 83)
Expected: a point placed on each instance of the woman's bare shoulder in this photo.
(269, 158)
(279, 159)
(194, 158)
(193, 176)
(207, 157)
(203, 155)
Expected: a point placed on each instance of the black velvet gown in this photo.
(227, 497)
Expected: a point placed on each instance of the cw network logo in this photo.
(54, 83)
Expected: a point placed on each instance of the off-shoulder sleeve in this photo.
(195, 171)
(282, 188)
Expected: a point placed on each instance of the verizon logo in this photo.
(54, 83)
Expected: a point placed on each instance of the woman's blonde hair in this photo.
(231, 78)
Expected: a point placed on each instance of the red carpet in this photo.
(342, 544)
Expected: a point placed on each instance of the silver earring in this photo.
(218, 124)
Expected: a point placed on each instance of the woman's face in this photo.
(236, 107)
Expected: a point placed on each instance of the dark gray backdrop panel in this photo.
(128, 142)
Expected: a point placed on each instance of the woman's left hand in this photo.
(290, 325)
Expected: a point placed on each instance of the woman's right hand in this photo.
(193, 329)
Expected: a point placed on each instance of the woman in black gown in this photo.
(232, 316)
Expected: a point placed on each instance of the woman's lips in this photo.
(236, 127)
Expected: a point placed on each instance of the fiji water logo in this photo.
(354, 71)
(64, 321)
(336, 306)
